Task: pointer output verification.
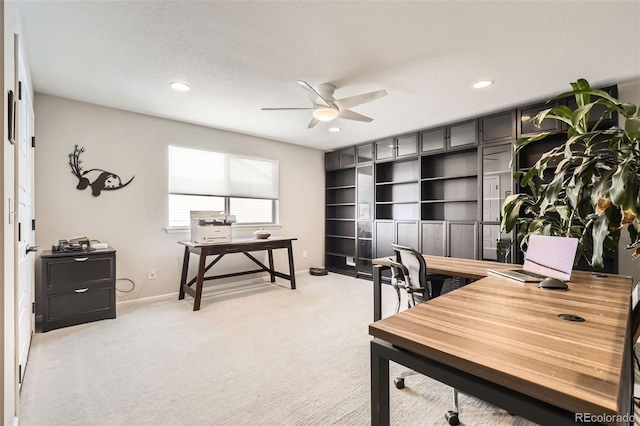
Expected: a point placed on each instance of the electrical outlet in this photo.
(152, 274)
(304, 254)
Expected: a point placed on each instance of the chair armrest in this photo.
(398, 265)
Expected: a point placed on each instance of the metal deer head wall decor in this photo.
(98, 179)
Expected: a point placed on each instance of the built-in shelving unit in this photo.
(340, 226)
(438, 190)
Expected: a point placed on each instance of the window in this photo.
(207, 180)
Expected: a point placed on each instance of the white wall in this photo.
(132, 219)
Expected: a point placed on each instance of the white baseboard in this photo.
(174, 295)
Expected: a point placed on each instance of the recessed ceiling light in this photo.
(334, 129)
(482, 83)
(181, 87)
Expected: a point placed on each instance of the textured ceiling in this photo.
(239, 56)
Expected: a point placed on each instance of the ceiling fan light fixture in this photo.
(180, 87)
(482, 84)
(325, 114)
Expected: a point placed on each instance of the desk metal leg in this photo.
(377, 292)
(200, 282)
(380, 414)
(292, 271)
(273, 276)
(185, 269)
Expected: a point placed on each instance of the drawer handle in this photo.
(80, 259)
(81, 290)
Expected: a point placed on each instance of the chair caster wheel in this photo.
(452, 418)
(399, 382)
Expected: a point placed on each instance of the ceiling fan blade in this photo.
(313, 95)
(281, 109)
(351, 101)
(313, 123)
(350, 115)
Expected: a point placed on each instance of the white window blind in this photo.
(207, 180)
(201, 172)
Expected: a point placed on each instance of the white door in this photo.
(25, 257)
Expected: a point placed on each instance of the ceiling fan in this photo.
(326, 108)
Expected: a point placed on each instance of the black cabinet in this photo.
(526, 127)
(610, 119)
(396, 148)
(402, 232)
(77, 287)
(463, 135)
(364, 154)
(434, 140)
(498, 127)
(456, 136)
(340, 159)
(449, 238)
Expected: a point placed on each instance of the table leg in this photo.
(273, 276)
(380, 414)
(185, 269)
(377, 292)
(292, 272)
(200, 281)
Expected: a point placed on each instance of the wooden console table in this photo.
(237, 245)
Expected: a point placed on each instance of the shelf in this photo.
(396, 182)
(340, 219)
(430, 179)
(336, 254)
(497, 172)
(468, 200)
(339, 204)
(396, 202)
(340, 187)
(344, 237)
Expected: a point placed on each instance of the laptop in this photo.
(545, 257)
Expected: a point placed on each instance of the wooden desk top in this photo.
(239, 241)
(463, 268)
(509, 333)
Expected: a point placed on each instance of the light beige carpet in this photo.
(263, 356)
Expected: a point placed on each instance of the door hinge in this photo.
(33, 307)
(19, 231)
(33, 141)
(33, 224)
(19, 373)
(19, 90)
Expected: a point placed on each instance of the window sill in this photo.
(240, 227)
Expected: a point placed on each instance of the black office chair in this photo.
(409, 274)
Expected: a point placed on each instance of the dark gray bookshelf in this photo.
(438, 190)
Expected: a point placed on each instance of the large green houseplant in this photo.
(587, 186)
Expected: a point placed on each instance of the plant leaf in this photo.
(632, 128)
(599, 232)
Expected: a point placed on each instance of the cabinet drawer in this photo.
(79, 269)
(276, 244)
(78, 302)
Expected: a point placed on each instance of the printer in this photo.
(211, 227)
